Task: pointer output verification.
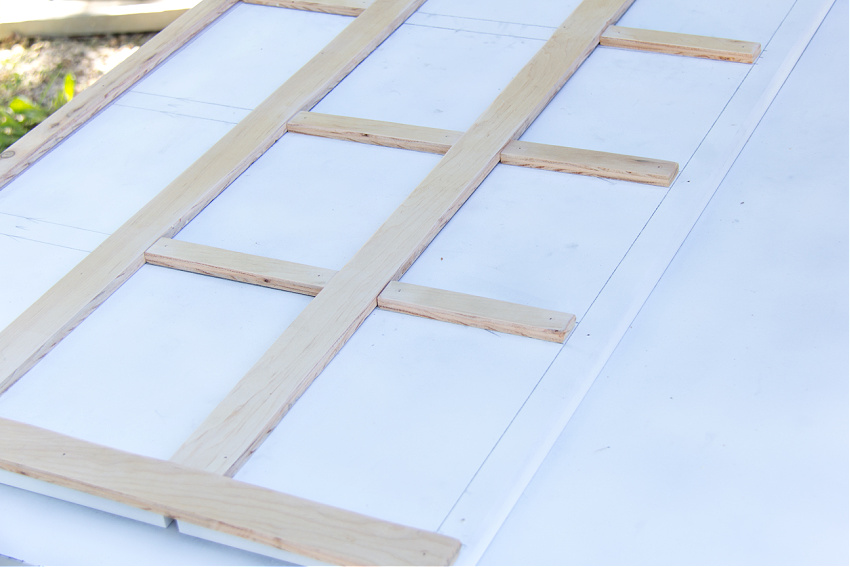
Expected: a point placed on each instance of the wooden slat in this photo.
(237, 266)
(212, 501)
(85, 105)
(70, 300)
(681, 44)
(475, 311)
(340, 7)
(258, 402)
(438, 304)
(527, 154)
(377, 132)
(589, 162)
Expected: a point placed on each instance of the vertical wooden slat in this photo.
(63, 306)
(256, 404)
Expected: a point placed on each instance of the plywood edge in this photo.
(219, 503)
(681, 44)
(339, 7)
(377, 132)
(88, 103)
(481, 312)
(237, 266)
(588, 162)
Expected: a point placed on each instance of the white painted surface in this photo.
(717, 432)
(80, 532)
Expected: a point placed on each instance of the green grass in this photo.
(20, 114)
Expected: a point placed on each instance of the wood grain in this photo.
(87, 285)
(98, 96)
(475, 311)
(681, 44)
(339, 7)
(438, 304)
(589, 162)
(293, 524)
(526, 154)
(237, 426)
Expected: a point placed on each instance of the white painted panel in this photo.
(310, 200)
(244, 56)
(401, 419)
(538, 238)
(109, 169)
(145, 369)
(549, 13)
(430, 77)
(28, 269)
(641, 104)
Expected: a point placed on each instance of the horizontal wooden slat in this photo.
(589, 162)
(411, 299)
(339, 7)
(476, 311)
(377, 132)
(237, 266)
(681, 44)
(527, 154)
(219, 503)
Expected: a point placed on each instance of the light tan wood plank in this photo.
(681, 44)
(475, 311)
(411, 299)
(377, 132)
(527, 154)
(70, 300)
(257, 403)
(589, 162)
(340, 7)
(85, 105)
(237, 266)
(212, 501)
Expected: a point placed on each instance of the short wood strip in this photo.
(237, 426)
(527, 154)
(681, 44)
(339, 7)
(238, 266)
(589, 162)
(476, 311)
(438, 304)
(70, 300)
(286, 522)
(98, 96)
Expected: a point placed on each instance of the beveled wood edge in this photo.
(689, 45)
(520, 153)
(216, 502)
(400, 297)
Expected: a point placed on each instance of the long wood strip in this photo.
(212, 501)
(438, 304)
(257, 403)
(681, 44)
(527, 154)
(85, 105)
(70, 300)
(339, 7)
(476, 311)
